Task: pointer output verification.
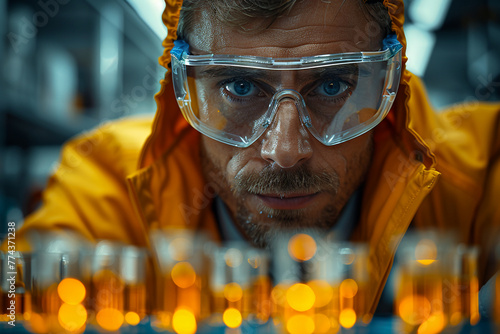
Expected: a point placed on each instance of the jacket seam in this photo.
(138, 211)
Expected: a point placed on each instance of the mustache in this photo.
(272, 180)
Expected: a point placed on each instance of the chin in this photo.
(263, 228)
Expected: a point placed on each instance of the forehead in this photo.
(312, 27)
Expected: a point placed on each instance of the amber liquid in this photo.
(254, 304)
(172, 297)
(135, 299)
(46, 301)
(357, 303)
(260, 300)
(107, 291)
(329, 309)
(464, 303)
(278, 301)
(418, 297)
(281, 310)
(218, 302)
(45, 306)
(461, 294)
(456, 298)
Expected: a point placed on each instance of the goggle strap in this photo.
(391, 42)
(180, 47)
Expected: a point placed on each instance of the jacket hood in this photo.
(169, 125)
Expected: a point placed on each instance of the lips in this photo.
(287, 201)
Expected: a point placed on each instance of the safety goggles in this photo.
(234, 99)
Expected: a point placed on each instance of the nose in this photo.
(287, 142)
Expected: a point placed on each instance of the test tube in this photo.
(460, 284)
(260, 291)
(306, 271)
(59, 294)
(133, 271)
(239, 285)
(106, 297)
(419, 290)
(47, 274)
(56, 301)
(437, 283)
(353, 258)
(182, 285)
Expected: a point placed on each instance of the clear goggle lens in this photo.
(234, 99)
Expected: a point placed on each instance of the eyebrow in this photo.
(230, 71)
(349, 69)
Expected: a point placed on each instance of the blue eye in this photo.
(332, 88)
(241, 88)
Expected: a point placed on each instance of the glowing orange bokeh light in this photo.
(302, 247)
(433, 325)
(426, 252)
(132, 318)
(110, 319)
(347, 318)
(72, 317)
(300, 324)
(71, 291)
(300, 297)
(184, 322)
(183, 275)
(348, 288)
(232, 318)
(323, 292)
(414, 309)
(278, 294)
(233, 292)
(322, 323)
(456, 318)
(38, 324)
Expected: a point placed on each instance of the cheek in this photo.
(360, 156)
(226, 159)
(352, 158)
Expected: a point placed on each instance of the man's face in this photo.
(287, 180)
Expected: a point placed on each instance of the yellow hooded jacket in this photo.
(430, 170)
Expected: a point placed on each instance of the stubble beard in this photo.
(263, 234)
(267, 224)
(262, 226)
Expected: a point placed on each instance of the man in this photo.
(269, 154)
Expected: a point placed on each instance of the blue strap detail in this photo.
(391, 42)
(179, 48)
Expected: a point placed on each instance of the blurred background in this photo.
(67, 66)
